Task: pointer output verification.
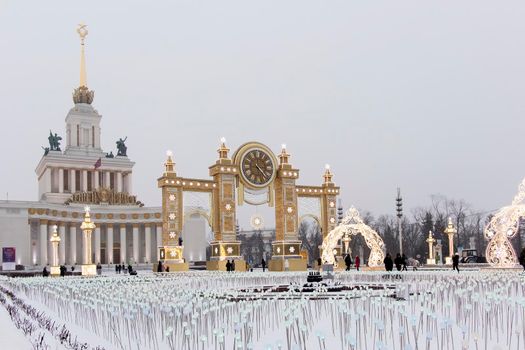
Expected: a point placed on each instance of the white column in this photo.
(73, 244)
(60, 180)
(130, 184)
(123, 243)
(84, 180)
(108, 179)
(136, 243)
(47, 180)
(72, 181)
(97, 245)
(159, 239)
(62, 244)
(43, 242)
(109, 243)
(97, 184)
(148, 242)
(119, 181)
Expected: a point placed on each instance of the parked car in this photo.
(474, 260)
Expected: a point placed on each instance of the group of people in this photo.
(119, 268)
(230, 266)
(63, 270)
(348, 262)
(401, 262)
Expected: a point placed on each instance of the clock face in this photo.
(257, 167)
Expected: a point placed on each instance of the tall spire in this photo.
(82, 32)
(82, 94)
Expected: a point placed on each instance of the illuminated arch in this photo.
(352, 224)
(504, 225)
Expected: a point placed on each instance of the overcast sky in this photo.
(428, 96)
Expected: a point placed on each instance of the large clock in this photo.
(257, 167)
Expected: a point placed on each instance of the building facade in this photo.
(82, 174)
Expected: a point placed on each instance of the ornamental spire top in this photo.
(82, 32)
(82, 94)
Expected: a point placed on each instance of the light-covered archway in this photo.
(504, 225)
(352, 224)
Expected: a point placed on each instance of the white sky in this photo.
(428, 96)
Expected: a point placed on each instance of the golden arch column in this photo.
(170, 252)
(328, 202)
(225, 245)
(286, 246)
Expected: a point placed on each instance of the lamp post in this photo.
(87, 228)
(399, 209)
(450, 231)
(430, 241)
(55, 241)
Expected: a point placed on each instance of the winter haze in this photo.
(426, 96)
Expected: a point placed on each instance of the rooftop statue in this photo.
(54, 141)
(121, 147)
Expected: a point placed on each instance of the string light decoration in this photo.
(504, 225)
(352, 224)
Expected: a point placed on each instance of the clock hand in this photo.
(262, 172)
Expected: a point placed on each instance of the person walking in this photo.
(357, 262)
(389, 264)
(44, 272)
(286, 265)
(404, 261)
(159, 266)
(319, 264)
(455, 262)
(398, 261)
(348, 262)
(228, 265)
(263, 264)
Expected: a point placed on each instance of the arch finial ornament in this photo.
(504, 225)
(353, 224)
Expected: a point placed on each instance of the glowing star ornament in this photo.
(291, 250)
(229, 250)
(172, 234)
(172, 216)
(172, 197)
(256, 222)
(228, 207)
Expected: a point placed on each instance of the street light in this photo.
(399, 210)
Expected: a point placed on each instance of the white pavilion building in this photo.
(82, 174)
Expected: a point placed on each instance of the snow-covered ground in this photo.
(217, 310)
